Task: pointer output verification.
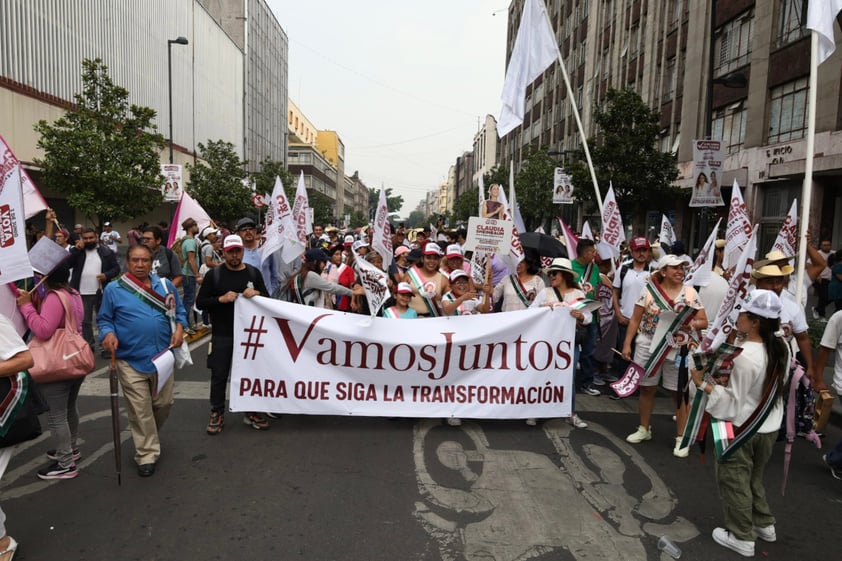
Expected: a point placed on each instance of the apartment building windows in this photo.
(733, 44)
(729, 125)
(669, 80)
(788, 111)
(793, 16)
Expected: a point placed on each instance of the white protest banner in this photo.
(46, 255)
(301, 211)
(33, 202)
(375, 283)
(667, 234)
(300, 359)
(787, 240)
(613, 233)
(699, 274)
(718, 331)
(707, 169)
(737, 229)
(14, 260)
(280, 229)
(489, 235)
(171, 187)
(381, 238)
(562, 188)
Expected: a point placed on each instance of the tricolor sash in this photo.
(13, 400)
(727, 438)
(418, 281)
(163, 304)
(520, 290)
(674, 335)
(391, 312)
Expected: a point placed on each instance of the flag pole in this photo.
(807, 189)
(581, 131)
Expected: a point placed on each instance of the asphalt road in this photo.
(371, 489)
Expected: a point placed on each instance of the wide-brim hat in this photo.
(775, 256)
(563, 265)
(771, 271)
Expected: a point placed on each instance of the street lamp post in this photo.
(179, 41)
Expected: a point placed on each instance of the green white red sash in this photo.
(391, 312)
(165, 305)
(727, 438)
(520, 290)
(418, 281)
(674, 336)
(13, 400)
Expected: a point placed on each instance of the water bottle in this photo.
(668, 546)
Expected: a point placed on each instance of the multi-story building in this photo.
(463, 175)
(485, 150)
(662, 49)
(255, 30)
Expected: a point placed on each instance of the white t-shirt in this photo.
(88, 283)
(109, 239)
(832, 339)
(631, 285)
(10, 342)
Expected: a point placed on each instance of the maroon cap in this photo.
(639, 243)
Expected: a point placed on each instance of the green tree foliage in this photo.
(497, 174)
(626, 153)
(417, 219)
(394, 202)
(358, 218)
(216, 182)
(466, 205)
(534, 188)
(264, 180)
(103, 153)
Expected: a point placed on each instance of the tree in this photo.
(358, 218)
(497, 174)
(466, 205)
(103, 153)
(394, 203)
(218, 184)
(534, 188)
(626, 153)
(264, 180)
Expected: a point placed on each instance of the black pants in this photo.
(219, 362)
(821, 291)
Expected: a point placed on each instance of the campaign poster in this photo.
(172, 185)
(562, 188)
(707, 173)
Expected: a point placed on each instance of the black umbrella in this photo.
(542, 244)
(115, 416)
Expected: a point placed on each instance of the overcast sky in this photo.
(402, 83)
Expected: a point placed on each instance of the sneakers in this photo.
(217, 421)
(256, 421)
(815, 313)
(53, 455)
(835, 472)
(190, 331)
(454, 421)
(531, 422)
(678, 451)
(590, 390)
(55, 471)
(726, 539)
(598, 381)
(639, 435)
(766, 534)
(577, 421)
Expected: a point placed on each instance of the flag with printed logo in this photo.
(14, 258)
(613, 233)
(737, 229)
(787, 240)
(280, 232)
(381, 237)
(301, 213)
(667, 235)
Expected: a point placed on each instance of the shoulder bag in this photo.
(64, 356)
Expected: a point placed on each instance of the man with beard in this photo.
(93, 267)
(247, 230)
(165, 263)
(221, 287)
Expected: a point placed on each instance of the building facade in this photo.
(486, 145)
(663, 49)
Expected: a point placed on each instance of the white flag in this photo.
(535, 49)
(667, 235)
(787, 240)
(821, 14)
(737, 230)
(699, 274)
(280, 231)
(381, 240)
(514, 211)
(737, 290)
(187, 207)
(301, 212)
(375, 283)
(33, 202)
(613, 233)
(586, 231)
(13, 253)
(481, 191)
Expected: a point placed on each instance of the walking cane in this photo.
(115, 416)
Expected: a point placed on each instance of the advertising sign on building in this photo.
(707, 173)
(171, 187)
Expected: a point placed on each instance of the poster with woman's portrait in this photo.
(562, 188)
(171, 188)
(707, 173)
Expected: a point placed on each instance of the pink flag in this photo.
(281, 232)
(301, 211)
(187, 207)
(737, 230)
(630, 381)
(787, 240)
(570, 239)
(381, 239)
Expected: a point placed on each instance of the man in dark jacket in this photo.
(93, 267)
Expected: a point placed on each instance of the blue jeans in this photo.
(834, 457)
(188, 284)
(586, 361)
